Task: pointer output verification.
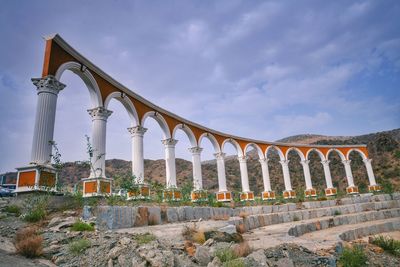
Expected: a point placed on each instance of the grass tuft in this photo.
(145, 238)
(353, 257)
(81, 226)
(388, 244)
(14, 209)
(225, 254)
(79, 246)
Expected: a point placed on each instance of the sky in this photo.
(257, 69)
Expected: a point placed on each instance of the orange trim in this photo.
(47, 179)
(27, 178)
(90, 187)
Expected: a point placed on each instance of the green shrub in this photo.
(353, 257)
(79, 246)
(145, 238)
(388, 244)
(234, 263)
(35, 207)
(81, 226)
(296, 218)
(337, 213)
(397, 154)
(225, 255)
(13, 209)
(35, 215)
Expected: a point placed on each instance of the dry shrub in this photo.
(193, 233)
(190, 248)
(28, 242)
(199, 237)
(243, 214)
(242, 249)
(240, 229)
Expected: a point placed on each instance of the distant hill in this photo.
(384, 149)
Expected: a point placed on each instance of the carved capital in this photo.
(346, 162)
(284, 162)
(263, 160)
(220, 155)
(304, 162)
(48, 84)
(99, 113)
(243, 159)
(367, 161)
(325, 162)
(137, 131)
(169, 142)
(195, 150)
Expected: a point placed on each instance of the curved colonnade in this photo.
(60, 56)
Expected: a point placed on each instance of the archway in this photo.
(254, 154)
(338, 173)
(359, 170)
(296, 170)
(274, 156)
(317, 170)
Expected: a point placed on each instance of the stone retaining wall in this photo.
(370, 230)
(118, 217)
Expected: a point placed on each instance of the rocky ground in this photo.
(138, 248)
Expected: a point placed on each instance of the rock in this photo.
(202, 255)
(229, 229)
(54, 221)
(259, 257)
(219, 236)
(70, 213)
(209, 242)
(114, 252)
(125, 241)
(52, 249)
(283, 262)
(122, 260)
(190, 248)
(110, 263)
(138, 262)
(142, 217)
(216, 262)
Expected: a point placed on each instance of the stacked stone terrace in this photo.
(369, 214)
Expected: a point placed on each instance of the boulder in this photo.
(230, 229)
(219, 236)
(202, 255)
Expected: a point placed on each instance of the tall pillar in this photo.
(196, 161)
(330, 190)
(97, 183)
(169, 145)
(137, 134)
(310, 191)
(373, 186)
(268, 193)
(198, 194)
(289, 192)
(40, 174)
(246, 193)
(223, 194)
(351, 189)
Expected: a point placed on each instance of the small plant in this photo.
(79, 246)
(145, 238)
(28, 242)
(14, 209)
(242, 249)
(35, 207)
(81, 226)
(193, 233)
(388, 244)
(296, 218)
(337, 213)
(234, 263)
(35, 215)
(225, 254)
(353, 257)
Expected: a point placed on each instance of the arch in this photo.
(281, 156)
(356, 150)
(187, 131)
(160, 120)
(87, 77)
(256, 147)
(341, 155)
(127, 103)
(298, 151)
(212, 139)
(235, 144)
(320, 154)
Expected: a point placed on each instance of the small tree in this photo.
(57, 163)
(90, 151)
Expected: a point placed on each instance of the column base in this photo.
(199, 195)
(97, 187)
(36, 178)
(246, 196)
(224, 196)
(374, 188)
(351, 190)
(330, 192)
(289, 194)
(139, 191)
(172, 194)
(312, 192)
(268, 195)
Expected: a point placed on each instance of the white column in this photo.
(220, 156)
(370, 172)
(349, 174)
(307, 175)
(99, 128)
(137, 133)
(47, 90)
(169, 145)
(286, 174)
(327, 172)
(196, 160)
(265, 174)
(243, 173)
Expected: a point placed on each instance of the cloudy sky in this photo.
(260, 69)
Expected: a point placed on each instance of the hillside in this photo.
(384, 149)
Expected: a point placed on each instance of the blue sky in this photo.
(260, 69)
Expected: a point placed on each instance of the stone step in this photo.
(335, 221)
(362, 231)
(261, 220)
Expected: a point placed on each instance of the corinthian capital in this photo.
(137, 130)
(99, 113)
(243, 158)
(220, 155)
(195, 150)
(169, 142)
(48, 84)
